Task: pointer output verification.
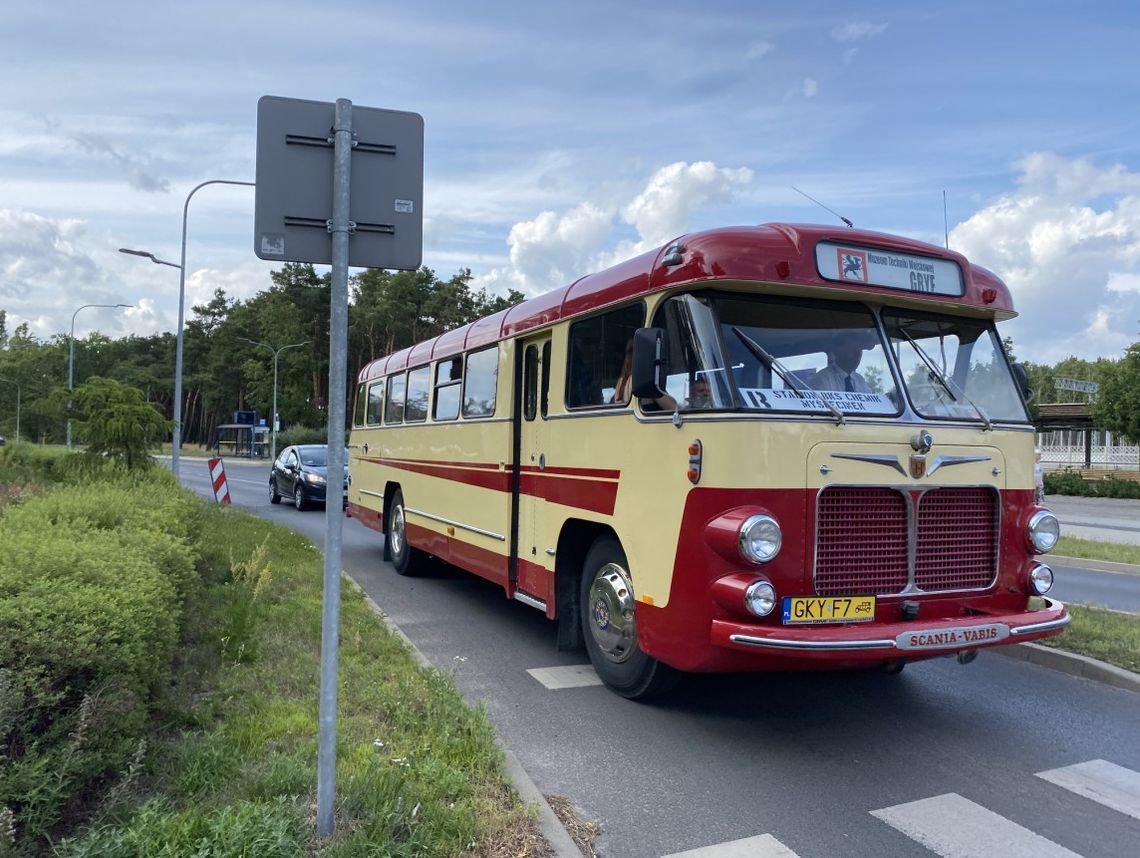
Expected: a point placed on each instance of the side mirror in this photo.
(650, 357)
(1021, 376)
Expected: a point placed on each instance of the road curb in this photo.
(1095, 565)
(1072, 664)
(552, 828)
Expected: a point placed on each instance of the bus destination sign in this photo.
(872, 266)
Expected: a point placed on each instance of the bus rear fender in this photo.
(573, 545)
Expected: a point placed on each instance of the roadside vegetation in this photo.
(159, 670)
(1094, 549)
(1070, 482)
(1110, 636)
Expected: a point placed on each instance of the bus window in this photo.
(419, 383)
(695, 376)
(394, 404)
(481, 383)
(358, 411)
(375, 403)
(544, 399)
(598, 356)
(530, 383)
(448, 379)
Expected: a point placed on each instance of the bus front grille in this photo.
(864, 538)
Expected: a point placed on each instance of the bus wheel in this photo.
(609, 626)
(405, 559)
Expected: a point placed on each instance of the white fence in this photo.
(1065, 449)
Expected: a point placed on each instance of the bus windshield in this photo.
(764, 353)
(953, 367)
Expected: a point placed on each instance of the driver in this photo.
(843, 358)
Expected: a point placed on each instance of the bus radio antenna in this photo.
(822, 206)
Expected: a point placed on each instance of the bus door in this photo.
(529, 544)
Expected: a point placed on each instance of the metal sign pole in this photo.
(340, 227)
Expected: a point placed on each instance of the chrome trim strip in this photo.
(527, 599)
(889, 461)
(1059, 623)
(460, 525)
(947, 461)
(372, 494)
(783, 643)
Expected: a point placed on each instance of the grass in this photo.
(419, 773)
(1110, 636)
(1093, 549)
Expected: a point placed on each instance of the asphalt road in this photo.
(824, 764)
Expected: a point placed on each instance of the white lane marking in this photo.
(1104, 782)
(568, 676)
(764, 846)
(955, 827)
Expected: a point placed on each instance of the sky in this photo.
(561, 137)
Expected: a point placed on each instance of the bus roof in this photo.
(773, 252)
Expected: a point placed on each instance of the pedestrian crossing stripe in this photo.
(764, 846)
(566, 676)
(955, 827)
(1104, 782)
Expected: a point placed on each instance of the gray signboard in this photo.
(1077, 385)
(294, 197)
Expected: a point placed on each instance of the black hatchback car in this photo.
(300, 473)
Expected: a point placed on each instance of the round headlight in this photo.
(760, 538)
(1044, 531)
(760, 598)
(1040, 579)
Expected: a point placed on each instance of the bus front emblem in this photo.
(601, 614)
(917, 466)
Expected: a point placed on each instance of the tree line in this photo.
(223, 371)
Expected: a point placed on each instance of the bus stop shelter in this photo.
(241, 440)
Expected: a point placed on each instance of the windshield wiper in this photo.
(946, 382)
(790, 380)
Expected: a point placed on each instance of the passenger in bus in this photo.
(843, 358)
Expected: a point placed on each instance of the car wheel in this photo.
(406, 559)
(299, 499)
(609, 626)
(273, 496)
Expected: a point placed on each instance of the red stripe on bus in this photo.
(574, 487)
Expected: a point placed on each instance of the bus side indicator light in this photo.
(696, 453)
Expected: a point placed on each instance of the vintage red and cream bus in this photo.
(756, 448)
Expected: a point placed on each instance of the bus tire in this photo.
(609, 627)
(406, 560)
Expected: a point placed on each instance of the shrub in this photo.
(1066, 482)
(1117, 488)
(302, 435)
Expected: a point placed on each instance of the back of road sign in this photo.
(294, 196)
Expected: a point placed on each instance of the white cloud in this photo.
(757, 50)
(811, 87)
(1067, 243)
(854, 31)
(552, 250)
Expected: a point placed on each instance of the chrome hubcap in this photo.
(611, 613)
(396, 531)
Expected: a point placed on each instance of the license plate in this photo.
(845, 609)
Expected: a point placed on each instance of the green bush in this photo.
(1117, 488)
(92, 584)
(1066, 482)
(303, 435)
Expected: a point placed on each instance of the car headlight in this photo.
(1040, 579)
(760, 598)
(760, 538)
(1044, 530)
(316, 479)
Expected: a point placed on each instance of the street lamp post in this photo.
(273, 418)
(176, 445)
(17, 406)
(71, 359)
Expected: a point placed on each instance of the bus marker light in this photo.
(695, 456)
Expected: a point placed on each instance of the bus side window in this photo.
(361, 401)
(375, 403)
(394, 404)
(597, 354)
(544, 399)
(448, 377)
(530, 382)
(419, 387)
(481, 383)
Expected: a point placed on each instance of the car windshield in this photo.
(314, 457)
(953, 367)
